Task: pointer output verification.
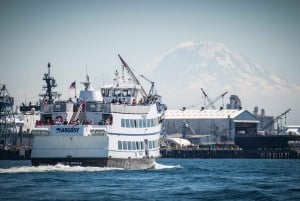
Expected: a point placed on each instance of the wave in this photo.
(54, 168)
(158, 166)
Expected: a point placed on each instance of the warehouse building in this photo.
(222, 125)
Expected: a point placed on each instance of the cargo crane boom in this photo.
(131, 74)
(212, 102)
(276, 119)
(151, 91)
(216, 99)
(206, 97)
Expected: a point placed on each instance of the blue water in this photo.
(171, 179)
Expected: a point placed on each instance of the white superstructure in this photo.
(118, 126)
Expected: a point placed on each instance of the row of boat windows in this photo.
(139, 123)
(119, 92)
(131, 145)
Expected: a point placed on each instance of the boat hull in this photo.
(142, 163)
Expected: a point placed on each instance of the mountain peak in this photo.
(191, 65)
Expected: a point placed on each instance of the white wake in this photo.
(158, 166)
(67, 168)
(54, 168)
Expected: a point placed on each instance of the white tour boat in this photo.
(119, 126)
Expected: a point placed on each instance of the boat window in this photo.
(142, 145)
(129, 146)
(103, 92)
(97, 132)
(39, 132)
(138, 145)
(92, 107)
(122, 122)
(124, 92)
(127, 123)
(117, 92)
(129, 92)
(148, 123)
(88, 107)
(150, 145)
(98, 107)
(59, 107)
(124, 145)
(140, 123)
(133, 92)
(110, 92)
(133, 145)
(119, 144)
(56, 107)
(131, 123)
(144, 123)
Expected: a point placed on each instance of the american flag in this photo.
(73, 85)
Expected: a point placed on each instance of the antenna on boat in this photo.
(50, 95)
(87, 83)
(49, 65)
(87, 75)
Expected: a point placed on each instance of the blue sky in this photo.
(79, 35)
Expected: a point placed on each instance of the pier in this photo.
(230, 153)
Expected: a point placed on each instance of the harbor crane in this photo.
(276, 120)
(212, 102)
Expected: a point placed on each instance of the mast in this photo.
(50, 95)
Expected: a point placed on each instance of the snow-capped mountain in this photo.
(181, 72)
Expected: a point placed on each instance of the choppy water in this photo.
(171, 179)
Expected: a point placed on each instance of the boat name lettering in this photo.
(67, 130)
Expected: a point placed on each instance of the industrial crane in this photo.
(276, 120)
(212, 102)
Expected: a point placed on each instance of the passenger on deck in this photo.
(140, 101)
(124, 101)
(107, 122)
(65, 122)
(134, 102)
